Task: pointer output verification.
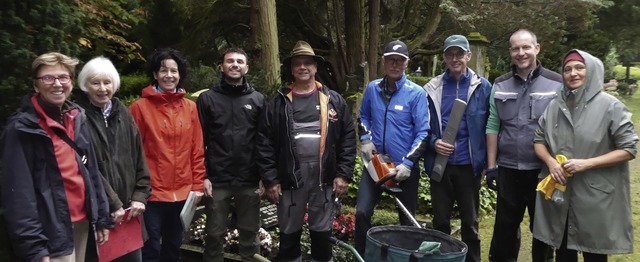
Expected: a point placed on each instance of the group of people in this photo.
(73, 170)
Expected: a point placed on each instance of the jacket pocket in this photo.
(539, 102)
(600, 184)
(506, 104)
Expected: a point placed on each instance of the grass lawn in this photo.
(486, 224)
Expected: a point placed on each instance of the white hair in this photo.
(98, 66)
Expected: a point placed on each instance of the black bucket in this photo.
(401, 243)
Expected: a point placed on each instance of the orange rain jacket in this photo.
(173, 144)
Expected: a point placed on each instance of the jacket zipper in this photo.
(322, 156)
(293, 158)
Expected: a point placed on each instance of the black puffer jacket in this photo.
(119, 153)
(278, 161)
(230, 117)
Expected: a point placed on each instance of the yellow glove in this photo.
(548, 184)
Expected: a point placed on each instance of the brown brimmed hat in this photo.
(302, 48)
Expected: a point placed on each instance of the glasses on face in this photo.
(395, 61)
(451, 55)
(50, 79)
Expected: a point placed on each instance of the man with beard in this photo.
(230, 115)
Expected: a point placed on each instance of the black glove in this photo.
(492, 177)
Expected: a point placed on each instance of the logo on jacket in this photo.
(333, 115)
(248, 107)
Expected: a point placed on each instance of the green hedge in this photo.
(132, 85)
(487, 197)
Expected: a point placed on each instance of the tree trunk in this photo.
(355, 42)
(374, 38)
(264, 29)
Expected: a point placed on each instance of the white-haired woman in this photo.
(117, 143)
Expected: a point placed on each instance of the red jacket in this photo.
(173, 144)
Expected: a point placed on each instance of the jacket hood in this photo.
(151, 93)
(594, 78)
(226, 88)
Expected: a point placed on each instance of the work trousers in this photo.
(315, 199)
(516, 192)
(247, 209)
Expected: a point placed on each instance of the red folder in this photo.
(124, 238)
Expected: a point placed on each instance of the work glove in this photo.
(492, 177)
(403, 172)
(367, 148)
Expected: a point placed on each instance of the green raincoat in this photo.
(597, 206)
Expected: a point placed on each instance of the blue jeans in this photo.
(369, 196)
(162, 221)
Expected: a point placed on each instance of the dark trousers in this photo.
(218, 207)
(369, 196)
(516, 192)
(567, 255)
(162, 221)
(134, 256)
(459, 185)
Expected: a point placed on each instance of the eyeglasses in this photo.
(395, 61)
(458, 55)
(49, 79)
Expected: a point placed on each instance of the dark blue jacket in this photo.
(477, 113)
(33, 195)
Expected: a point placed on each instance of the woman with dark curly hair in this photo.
(174, 149)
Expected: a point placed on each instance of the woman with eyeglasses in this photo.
(52, 193)
(117, 144)
(173, 145)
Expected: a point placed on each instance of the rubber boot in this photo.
(290, 246)
(321, 246)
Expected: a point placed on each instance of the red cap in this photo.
(573, 56)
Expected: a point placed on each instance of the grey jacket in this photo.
(519, 104)
(597, 206)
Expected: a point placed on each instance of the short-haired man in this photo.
(518, 99)
(230, 113)
(307, 155)
(467, 155)
(394, 120)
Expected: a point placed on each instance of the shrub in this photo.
(420, 80)
(623, 88)
(202, 76)
(488, 197)
(132, 85)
